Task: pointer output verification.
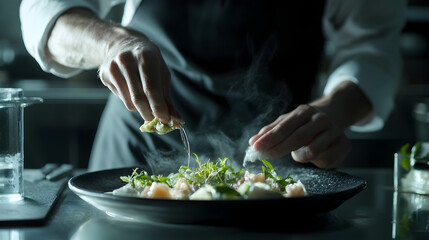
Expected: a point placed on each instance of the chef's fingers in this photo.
(117, 79)
(170, 106)
(166, 86)
(172, 110)
(298, 117)
(103, 75)
(150, 69)
(302, 136)
(330, 158)
(335, 155)
(264, 130)
(317, 146)
(134, 96)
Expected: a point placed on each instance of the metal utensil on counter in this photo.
(52, 172)
(57, 173)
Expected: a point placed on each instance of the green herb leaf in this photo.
(405, 149)
(270, 172)
(223, 191)
(405, 163)
(218, 174)
(415, 151)
(412, 156)
(268, 165)
(405, 160)
(125, 179)
(283, 182)
(207, 173)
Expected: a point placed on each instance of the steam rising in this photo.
(254, 99)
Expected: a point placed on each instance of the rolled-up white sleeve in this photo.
(37, 19)
(365, 37)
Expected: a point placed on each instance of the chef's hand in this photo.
(129, 64)
(136, 72)
(315, 132)
(306, 132)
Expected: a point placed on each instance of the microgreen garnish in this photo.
(219, 173)
(270, 172)
(144, 179)
(209, 173)
(415, 154)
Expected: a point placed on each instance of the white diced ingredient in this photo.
(252, 156)
(204, 193)
(261, 190)
(126, 190)
(159, 190)
(295, 190)
(181, 189)
(260, 177)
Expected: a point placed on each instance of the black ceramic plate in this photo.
(328, 189)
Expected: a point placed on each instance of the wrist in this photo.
(79, 39)
(124, 39)
(346, 105)
(119, 36)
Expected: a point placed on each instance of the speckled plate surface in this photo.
(328, 189)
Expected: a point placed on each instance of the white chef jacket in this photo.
(364, 37)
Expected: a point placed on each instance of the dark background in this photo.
(62, 129)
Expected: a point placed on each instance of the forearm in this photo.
(79, 39)
(346, 105)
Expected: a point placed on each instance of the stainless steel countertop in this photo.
(367, 215)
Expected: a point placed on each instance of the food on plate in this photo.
(252, 156)
(211, 181)
(157, 126)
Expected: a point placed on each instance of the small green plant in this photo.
(415, 154)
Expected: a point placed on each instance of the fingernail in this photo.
(302, 154)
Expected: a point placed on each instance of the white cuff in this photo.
(37, 19)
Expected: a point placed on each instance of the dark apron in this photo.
(235, 65)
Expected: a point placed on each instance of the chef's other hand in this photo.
(136, 72)
(306, 132)
(315, 132)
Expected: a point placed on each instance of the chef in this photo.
(239, 73)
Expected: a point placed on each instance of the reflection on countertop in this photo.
(410, 219)
(110, 229)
